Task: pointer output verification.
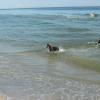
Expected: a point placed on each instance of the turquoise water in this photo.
(28, 71)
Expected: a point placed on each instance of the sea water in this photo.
(29, 72)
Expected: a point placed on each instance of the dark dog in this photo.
(98, 41)
(51, 48)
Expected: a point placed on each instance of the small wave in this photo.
(60, 16)
(80, 16)
(92, 15)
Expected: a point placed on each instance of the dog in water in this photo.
(52, 48)
(98, 41)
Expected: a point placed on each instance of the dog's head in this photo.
(48, 45)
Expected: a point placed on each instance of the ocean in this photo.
(28, 71)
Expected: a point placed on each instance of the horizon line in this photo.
(49, 7)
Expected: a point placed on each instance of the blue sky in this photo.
(46, 3)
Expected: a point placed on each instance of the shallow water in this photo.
(29, 72)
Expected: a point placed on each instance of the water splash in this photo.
(61, 49)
